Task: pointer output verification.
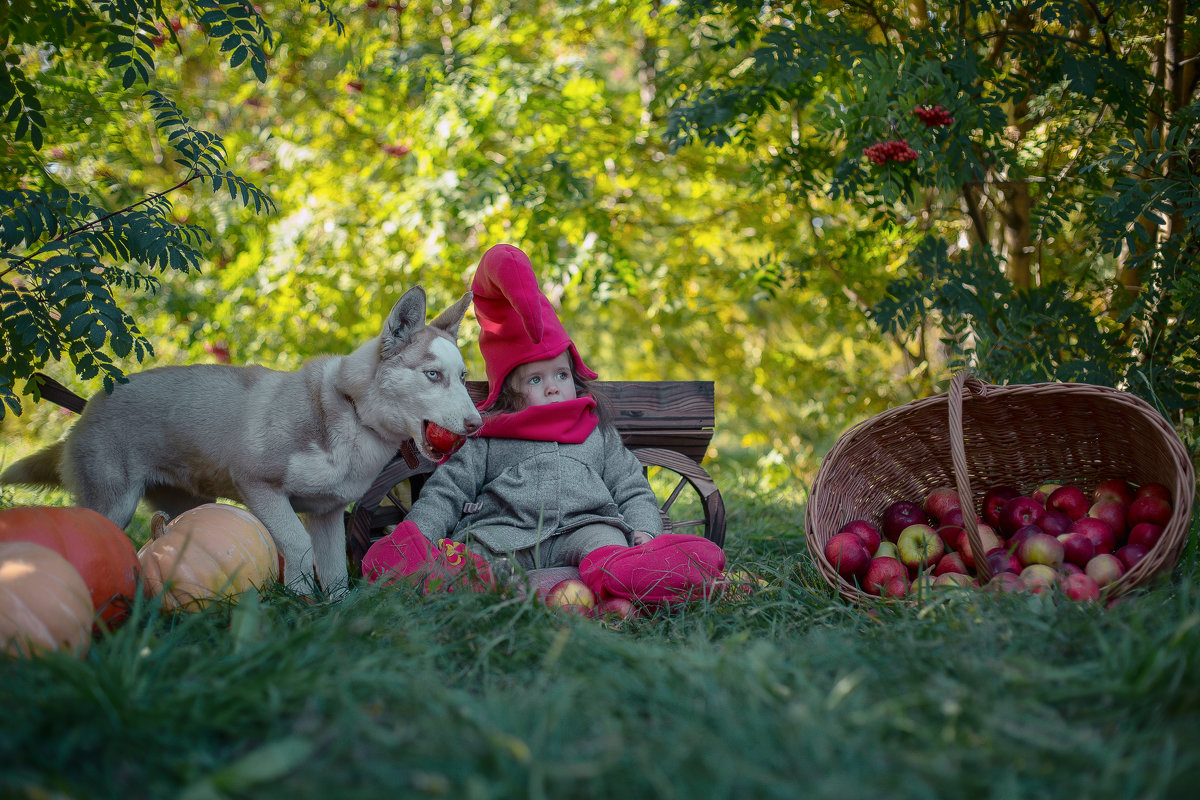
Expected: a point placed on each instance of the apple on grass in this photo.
(1117, 489)
(993, 500)
(900, 515)
(1149, 508)
(1146, 534)
(616, 608)
(1078, 548)
(1080, 587)
(1069, 500)
(870, 535)
(571, 596)
(1104, 569)
(848, 555)
(881, 571)
(1041, 548)
(1102, 536)
(919, 546)
(941, 501)
(1018, 512)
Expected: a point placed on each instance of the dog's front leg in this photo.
(291, 537)
(328, 534)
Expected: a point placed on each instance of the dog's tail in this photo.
(40, 469)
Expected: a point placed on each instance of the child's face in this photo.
(543, 382)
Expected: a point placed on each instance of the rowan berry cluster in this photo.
(933, 116)
(895, 150)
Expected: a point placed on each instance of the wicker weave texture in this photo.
(1020, 436)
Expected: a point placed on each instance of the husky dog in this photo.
(283, 443)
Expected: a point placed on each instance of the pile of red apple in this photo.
(1054, 536)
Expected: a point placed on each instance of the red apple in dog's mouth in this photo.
(443, 442)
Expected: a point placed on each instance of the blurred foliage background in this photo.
(206, 180)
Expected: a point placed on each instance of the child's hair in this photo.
(509, 400)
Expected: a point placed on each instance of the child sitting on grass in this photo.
(545, 483)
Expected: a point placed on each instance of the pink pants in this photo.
(672, 567)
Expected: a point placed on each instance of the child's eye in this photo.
(562, 375)
(535, 380)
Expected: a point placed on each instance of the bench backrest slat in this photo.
(674, 415)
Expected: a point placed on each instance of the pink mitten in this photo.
(405, 552)
(670, 568)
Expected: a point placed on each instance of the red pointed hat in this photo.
(517, 323)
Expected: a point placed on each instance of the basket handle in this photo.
(962, 381)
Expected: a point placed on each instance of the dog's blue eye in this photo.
(433, 374)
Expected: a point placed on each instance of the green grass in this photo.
(787, 693)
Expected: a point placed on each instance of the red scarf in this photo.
(568, 422)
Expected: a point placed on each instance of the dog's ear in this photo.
(406, 317)
(452, 317)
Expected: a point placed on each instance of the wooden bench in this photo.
(667, 424)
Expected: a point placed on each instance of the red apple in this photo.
(1114, 489)
(949, 535)
(953, 579)
(848, 555)
(1112, 512)
(987, 537)
(1055, 522)
(993, 500)
(953, 518)
(1000, 560)
(1021, 534)
(1080, 587)
(1069, 500)
(1102, 536)
(1041, 548)
(900, 515)
(1104, 569)
(442, 440)
(951, 562)
(616, 608)
(1145, 534)
(896, 587)
(1039, 577)
(1043, 492)
(1077, 548)
(1018, 511)
(1149, 508)
(881, 571)
(1131, 554)
(571, 596)
(1070, 569)
(1152, 490)
(870, 535)
(919, 546)
(941, 501)
(1007, 582)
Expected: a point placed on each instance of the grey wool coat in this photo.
(511, 494)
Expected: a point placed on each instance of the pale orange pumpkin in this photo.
(44, 603)
(208, 552)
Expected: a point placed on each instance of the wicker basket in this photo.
(979, 435)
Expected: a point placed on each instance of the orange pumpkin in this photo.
(44, 603)
(211, 551)
(100, 551)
